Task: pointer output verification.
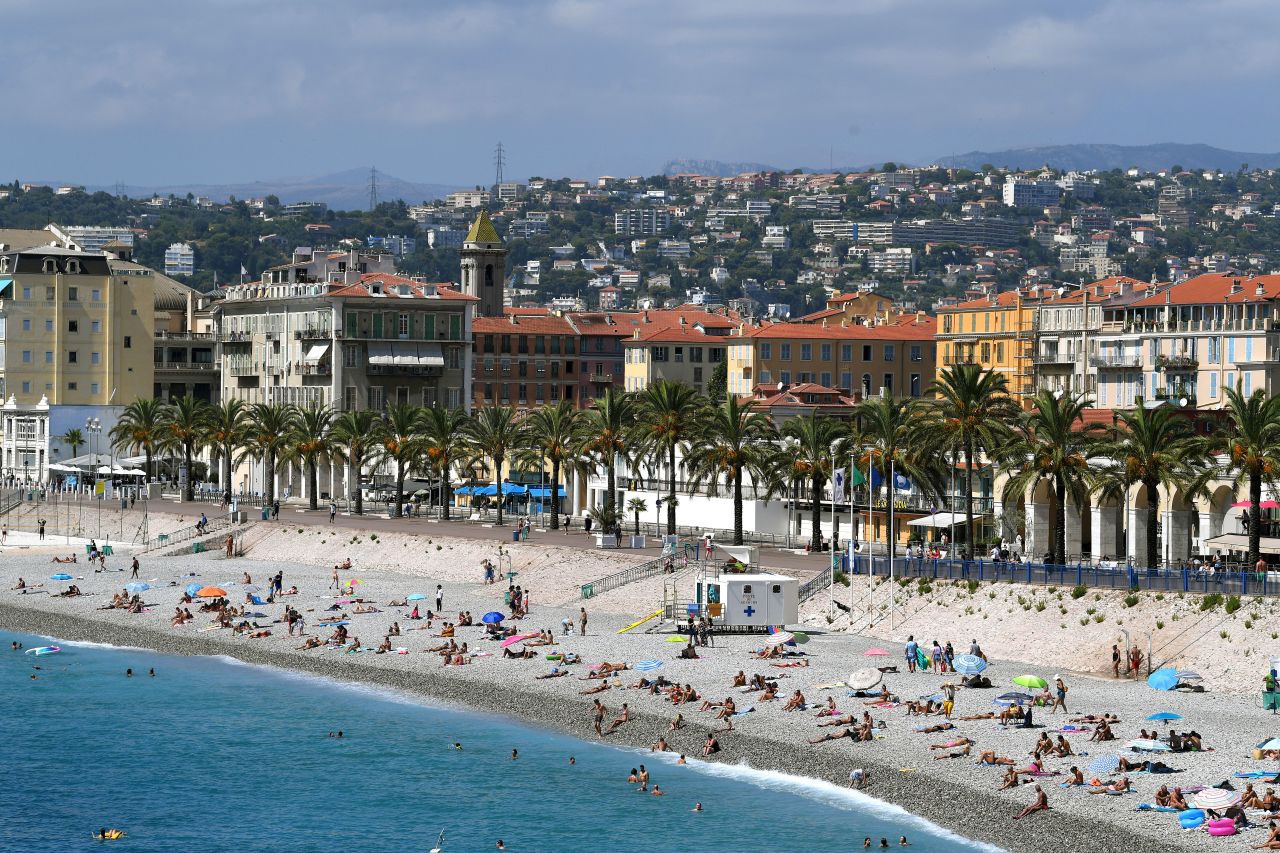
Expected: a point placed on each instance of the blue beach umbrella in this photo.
(1163, 679)
(1104, 764)
(648, 665)
(1270, 744)
(193, 588)
(1164, 716)
(969, 664)
(493, 617)
(1013, 698)
(137, 586)
(417, 596)
(60, 576)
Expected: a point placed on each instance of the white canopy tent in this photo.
(938, 519)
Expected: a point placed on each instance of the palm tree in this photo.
(184, 426)
(444, 441)
(400, 442)
(606, 437)
(550, 434)
(670, 413)
(972, 413)
(226, 433)
(1052, 443)
(493, 433)
(267, 431)
(140, 427)
(1251, 444)
(309, 442)
(886, 443)
(352, 437)
(1154, 447)
(635, 506)
(733, 440)
(74, 439)
(808, 456)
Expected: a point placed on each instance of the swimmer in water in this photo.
(457, 745)
(152, 672)
(128, 673)
(681, 760)
(515, 753)
(572, 761)
(697, 807)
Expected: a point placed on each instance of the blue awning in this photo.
(462, 490)
(545, 491)
(508, 489)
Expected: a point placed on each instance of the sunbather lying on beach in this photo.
(1120, 786)
(768, 652)
(69, 559)
(963, 752)
(837, 735)
(940, 727)
(952, 744)
(846, 720)
(366, 608)
(311, 643)
(791, 664)
(598, 689)
(990, 715)
(555, 672)
(1094, 718)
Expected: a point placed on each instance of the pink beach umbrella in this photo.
(518, 638)
(875, 653)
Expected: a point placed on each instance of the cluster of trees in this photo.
(727, 446)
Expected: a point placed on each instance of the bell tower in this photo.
(484, 266)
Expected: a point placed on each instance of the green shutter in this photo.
(377, 324)
(455, 327)
(430, 327)
(352, 324)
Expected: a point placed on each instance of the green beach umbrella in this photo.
(1033, 682)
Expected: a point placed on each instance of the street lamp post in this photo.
(93, 426)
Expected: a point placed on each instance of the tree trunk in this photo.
(554, 495)
(146, 450)
(1153, 517)
(269, 475)
(611, 483)
(446, 490)
(356, 464)
(671, 492)
(312, 484)
(226, 467)
(188, 492)
(497, 482)
(637, 527)
(1255, 517)
(815, 508)
(1060, 522)
(737, 506)
(970, 540)
(400, 472)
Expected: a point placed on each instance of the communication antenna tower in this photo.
(373, 188)
(499, 160)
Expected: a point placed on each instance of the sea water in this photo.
(215, 755)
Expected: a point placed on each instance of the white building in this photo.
(895, 261)
(91, 238)
(469, 198)
(641, 221)
(775, 237)
(179, 259)
(1024, 192)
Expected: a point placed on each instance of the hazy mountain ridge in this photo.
(1102, 156)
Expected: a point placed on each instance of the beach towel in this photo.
(1255, 774)
(1150, 807)
(744, 713)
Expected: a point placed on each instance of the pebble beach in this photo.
(954, 793)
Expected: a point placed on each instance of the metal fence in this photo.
(816, 584)
(1080, 574)
(651, 568)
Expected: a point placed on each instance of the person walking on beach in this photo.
(333, 583)
(439, 598)
(911, 650)
(42, 523)
(134, 573)
(582, 621)
(1059, 695)
(333, 510)
(1115, 660)
(948, 699)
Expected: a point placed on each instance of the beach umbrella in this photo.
(1104, 764)
(801, 637)
(648, 665)
(354, 582)
(1216, 799)
(211, 592)
(137, 586)
(863, 679)
(192, 589)
(1270, 743)
(250, 587)
(1189, 676)
(932, 697)
(779, 639)
(517, 638)
(678, 639)
(1033, 682)
(875, 653)
(1148, 745)
(417, 596)
(1013, 699)
(60, 576)
(968, 664)
(1163, 679)
(1164, 716)
(493, 617)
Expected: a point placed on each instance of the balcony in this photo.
(1170, 363)
(310, 334)
(240, 369)
(321, 368)
(185, 336)
(1054, 358)
(190, 366)
(403, 370)
(1116, 362)
(236, 337)
(1176, 395)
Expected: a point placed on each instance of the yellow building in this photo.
(996, 332)
(682, 345)
(859, 306)
(74, 331)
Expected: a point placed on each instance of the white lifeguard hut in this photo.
(754, 600)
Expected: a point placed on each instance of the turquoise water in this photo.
(213, 755)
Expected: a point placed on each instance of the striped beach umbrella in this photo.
(1216, 799)
(1104, 764)
(968, 664)
(648, 665)
(863, 679)
(137, 586)
(781, 638)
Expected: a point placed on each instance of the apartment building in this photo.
(1067, 325)
(896, 358)
(996, 332)
(76, 344)
(998, 233)
(1029, 193)
(91, 238)
(524, 359)
(895, 261)
(179, 259)
(600, 353)
(469, 198)
(312, 266)
(642, 221)
(861, 306)
(682, 345)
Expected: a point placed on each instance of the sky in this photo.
(151, 93)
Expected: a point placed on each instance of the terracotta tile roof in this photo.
(1110, 287)
(905, 329)
(769, 395)
(818, 315)
(524, 325)
(391, 282)
(1005, 299)
(1215, 288)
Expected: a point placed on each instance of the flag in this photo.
(901, 483)
(243, 272)
(856, 478)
